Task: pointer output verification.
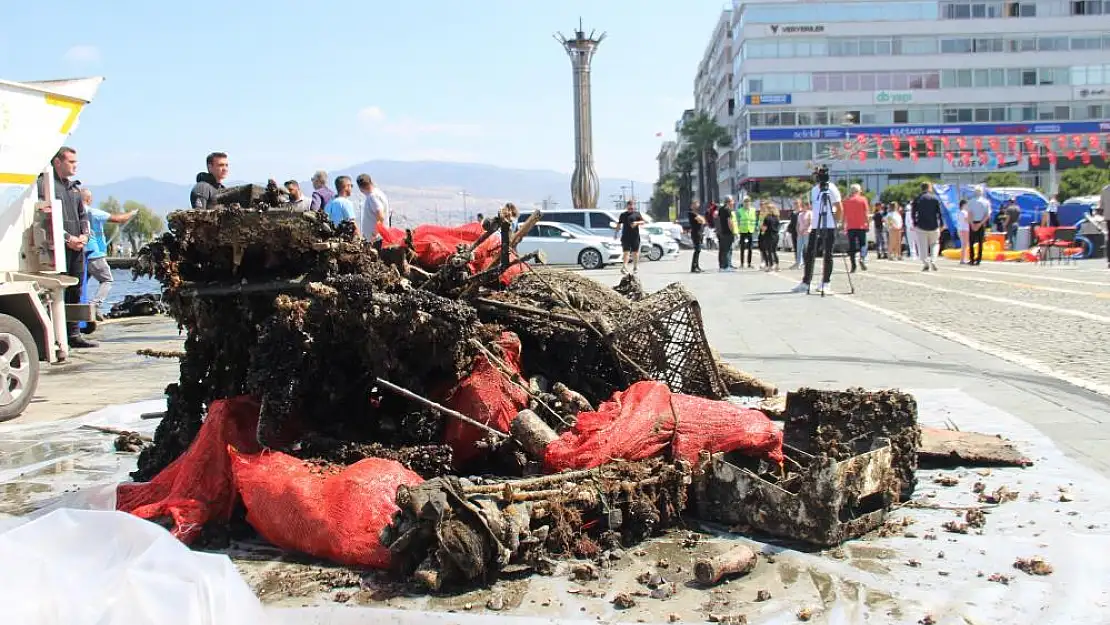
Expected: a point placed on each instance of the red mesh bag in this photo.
(197, 487)
(336, 514)
(485, 396)
(391, 237)
(434, 244)
(639, 423)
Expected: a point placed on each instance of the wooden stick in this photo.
(736, 561)
(529, 310)
(525, 228)
(117, 431)
(404, 392)
(238, 288)
(520, 485)
(506, 237)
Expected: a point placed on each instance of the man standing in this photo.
(375, 208)
(296, 198)
(203, 194)
(341, 208)
(697, 234)
(747, 221)
(75, 225)
(1012, 221)
(1104, 206)
(726, 234)
(628, 227)
(927, 220)
(856, 220)
(978, 219)
(878, 221)
(827, 209)
(97, 248)
(321, 194)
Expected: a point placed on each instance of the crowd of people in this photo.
(900, 231)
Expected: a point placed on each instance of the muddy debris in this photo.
(1000, 496)
(946, 480)
(762, 595)
(955, 527)
(130, 442)
(975, 517)
(999, 578)
(623, 601)
(728, 619)
(805, 614)
(1033, 566)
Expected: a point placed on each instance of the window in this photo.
(797, 151)
(947, 78)
(867, 82)
(821, 118)
(982, 114)
(951, 115)
(1049, 44)
(1086, 7)
(1022, 44)
(981, 77)
(755, 119)
(805, 118)
(1061, 113)
(998, 114)
(820, 82)
(755, 85)
(766, 151)
(836, 82)
(956, 46)
(1086, 43)
(1028, 77)
(963, 78)
(902, 116)
(787, 118)
(997, 78)
(566, 218)
(771, 118)
(883, 81)
(883, 47)
(965, 115)
(836, 47)
(827, 149)
(600, 220)
(851, 82)
(867, 48)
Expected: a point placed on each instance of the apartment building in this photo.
(810, 74)
(714, 93)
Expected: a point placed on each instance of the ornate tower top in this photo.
(584, 181)
(581, 48)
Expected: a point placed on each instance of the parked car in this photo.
(567, 244)
(654, 245)
(658, 242)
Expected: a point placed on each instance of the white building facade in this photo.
(810, 74)
(715, 92)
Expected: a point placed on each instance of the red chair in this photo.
(1054, 243)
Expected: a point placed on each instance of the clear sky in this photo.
(288, 87)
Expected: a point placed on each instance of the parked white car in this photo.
(567, 244)
(658, 242)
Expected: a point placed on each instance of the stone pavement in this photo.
(1028, 340)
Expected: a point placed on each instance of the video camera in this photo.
(821, 175)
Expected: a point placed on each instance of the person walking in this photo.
(927, 219)
(878, 222)
(827, 209)
(628, 225)
(1051, 216)
(792, 228)
(978, 221)
(963, 221)
(910, 231)
(747, 221)
(697, 235)
(726, 233)
(761, 235)
(856, 210)
(894, 227)
(805, 224)
(769, 234)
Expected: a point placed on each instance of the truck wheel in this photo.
(19, 367)
(590, 258)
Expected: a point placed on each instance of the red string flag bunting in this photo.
(912, 142)
(1013, 143)
(965, 158)
(944, 142)
(1052, 157)
(861, 138)
(895, 143)
(951, 157)
(1077, 141)
(978, 144)
(1034, 159)
(983, 158)
(995, 144)
(929, 144)
(962, 143)
(1071, 155)
(1085, 157)
(913, 156)
(1093, 142)
(862, 156)
(1062, 141)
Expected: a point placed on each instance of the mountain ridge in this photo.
(421, 191)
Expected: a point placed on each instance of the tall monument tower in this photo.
(583, 183)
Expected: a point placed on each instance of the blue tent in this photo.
(1030, 201)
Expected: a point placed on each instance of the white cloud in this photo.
(374, 119)
(83, 55)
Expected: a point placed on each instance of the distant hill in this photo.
(417, 190)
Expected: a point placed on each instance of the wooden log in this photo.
(531, 433)
(525, 228)
(739, 560)
(943, 448)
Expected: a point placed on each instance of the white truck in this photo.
(35, 120)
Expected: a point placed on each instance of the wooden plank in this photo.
(952, 448)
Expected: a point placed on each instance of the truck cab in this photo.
(36, 118)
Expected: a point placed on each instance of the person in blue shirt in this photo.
(341, 208)
(97, 248)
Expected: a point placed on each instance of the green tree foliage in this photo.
(904, 192)
(705, 135)
(664, 197)
(684, 163)
(1003, 179)
(1082, 181)
(143, 227)
(111, 230)
(783, 191)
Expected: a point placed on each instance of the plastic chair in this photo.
(1056, 245)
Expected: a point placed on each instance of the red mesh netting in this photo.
(639, 423)
(485, 396)
(197, 487)
(330, 513)
(433, 245)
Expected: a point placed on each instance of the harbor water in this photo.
(125, 285)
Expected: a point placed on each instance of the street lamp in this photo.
(464, 195)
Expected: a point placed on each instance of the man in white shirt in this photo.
(375, 208)
(827, 209)
(979, 218)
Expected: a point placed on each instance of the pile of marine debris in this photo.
(354, 352)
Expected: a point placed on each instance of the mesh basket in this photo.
(664, 335)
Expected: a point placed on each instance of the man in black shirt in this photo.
(697, 234)
(726, 234)
(628, 225)
(75, 225)
(928, 219)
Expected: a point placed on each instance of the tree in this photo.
(783, 190)
(684, 163)
(705, 135)
(1003, 179)
(143, 227)
(1082, 181)
(903, 193)
(664, 197)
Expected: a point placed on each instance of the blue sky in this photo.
(288, 87)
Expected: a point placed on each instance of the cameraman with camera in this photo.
(827, 209)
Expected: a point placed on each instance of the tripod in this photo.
(811, 250)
